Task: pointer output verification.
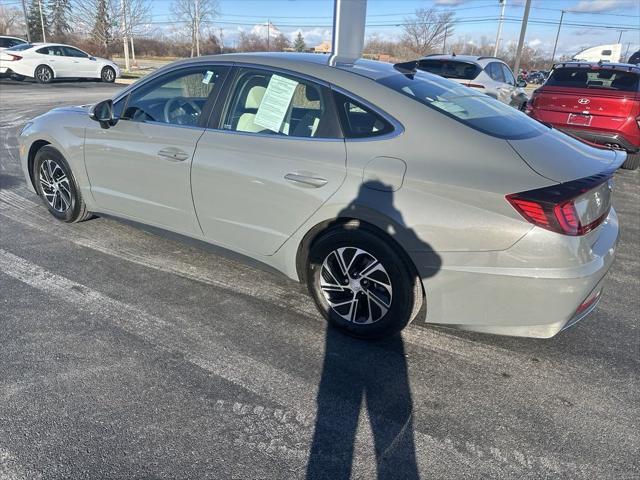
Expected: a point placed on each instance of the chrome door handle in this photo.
(310, 180)
(173, 155)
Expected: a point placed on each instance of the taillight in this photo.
(14, 58)
(573, 208)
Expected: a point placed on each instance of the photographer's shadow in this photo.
(357, 372)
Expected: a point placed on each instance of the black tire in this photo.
(406, 298)
(632, 162)
(43, 74)
(108, 75)
(67, 193)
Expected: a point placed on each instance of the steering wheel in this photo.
(188, 116)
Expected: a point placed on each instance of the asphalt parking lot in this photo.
(126, 353)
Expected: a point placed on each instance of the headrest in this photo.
(311, 93)
(254, 97)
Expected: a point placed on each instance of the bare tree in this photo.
(11, 21)
(94, 18)
(195, 13)
(427, 30)
(251, 42)
(138, 13)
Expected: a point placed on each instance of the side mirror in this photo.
(92, 58)
(102, 112)
(521, 83)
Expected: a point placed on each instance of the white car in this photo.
(47, 61)
(8, 42)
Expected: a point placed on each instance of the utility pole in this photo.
(504, 4)
(523, 31)
(555, 45)
(26, 21)
(125, 42)
(444, 41)
(197, 25)
(620, 36)
(44, 35)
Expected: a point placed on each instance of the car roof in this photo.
(367, 68)
(13, 38)
(464, 58)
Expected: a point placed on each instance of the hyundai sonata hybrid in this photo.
(45, 62)
(394, 194)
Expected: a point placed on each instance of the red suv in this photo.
(596, 102)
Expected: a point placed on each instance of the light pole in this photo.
(26, 21)
(44, 36)
(555, 45)
(125, 42)
(504, 4)
(523, 31)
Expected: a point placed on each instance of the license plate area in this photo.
(579, 119)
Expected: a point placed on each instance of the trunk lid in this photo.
(562, 158)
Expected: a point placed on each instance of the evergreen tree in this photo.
(102, 27)
(298, 43)
(34, 21)
(59, 13)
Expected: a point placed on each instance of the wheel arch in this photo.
(358, 217)
(31, 157)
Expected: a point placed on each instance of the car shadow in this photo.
(359, 375)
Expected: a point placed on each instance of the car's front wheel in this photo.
(57, 187)
(43, 74)
(362, 283)
(108, 75)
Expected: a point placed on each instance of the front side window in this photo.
(508, 76)
(359, 121)
(176, 98)
(463, 104)
(278, 104)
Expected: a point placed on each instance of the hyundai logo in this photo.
(584, 101)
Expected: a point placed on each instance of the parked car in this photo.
(47, 61)
(635, 58)
(393, 194)
(537, 77)
(489, 75)
(8, 42)
(597, 102)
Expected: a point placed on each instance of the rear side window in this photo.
(359, 121)
(494, 70)
(599, 78)
(450, 68)
(473, 109)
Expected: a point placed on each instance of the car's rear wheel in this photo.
(57, 187)
(361, 283)
(108, 75)
(632, 162)
(43, 74)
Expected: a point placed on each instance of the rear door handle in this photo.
(173, 154)
(309, 180)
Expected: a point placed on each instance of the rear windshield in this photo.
(451, 68)
(600, 78)
(22, 46)
(465, 105)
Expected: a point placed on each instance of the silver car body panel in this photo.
(483, 267)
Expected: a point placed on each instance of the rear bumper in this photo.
(529, 290)
(608, 139)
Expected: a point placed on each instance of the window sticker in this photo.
(207, 77)
(275, 103)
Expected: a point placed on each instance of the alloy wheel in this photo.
(55, 186)
(43, 74)
(108, 75)
(356, 285)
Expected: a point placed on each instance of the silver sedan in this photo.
(394, 194)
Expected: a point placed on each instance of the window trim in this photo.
(222, 106)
